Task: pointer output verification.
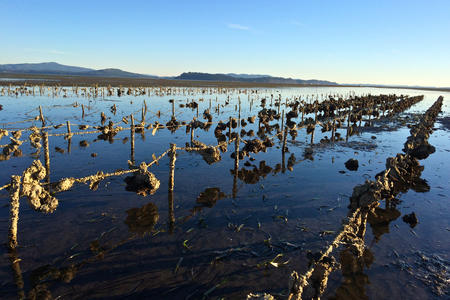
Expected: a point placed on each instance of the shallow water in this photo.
(222, 247)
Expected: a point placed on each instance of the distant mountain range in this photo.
(249, 78)
(53, 68)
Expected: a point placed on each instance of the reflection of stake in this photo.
(229, 130)
(132, 139)
(192, 136)
(239, 124)
(333, 130)
(348, 127)
(284, 139)
(171, 213)
(236, 165)
(18, 279)
(283, 151)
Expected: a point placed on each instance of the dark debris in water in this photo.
(352, 164)
(411, 219)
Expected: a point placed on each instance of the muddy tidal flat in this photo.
(223, 192)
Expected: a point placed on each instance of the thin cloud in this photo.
(238, 27)
(296, 23)
(57, 52)
(46, 51)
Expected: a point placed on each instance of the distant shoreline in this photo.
(69, 80)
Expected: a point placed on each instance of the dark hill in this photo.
(247, 78)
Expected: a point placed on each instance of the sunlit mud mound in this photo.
(3, 132)
(13, 147)
(63, 185)
(108, 132)
(38, 198)
(142, 182)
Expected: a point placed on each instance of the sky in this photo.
(378, 42)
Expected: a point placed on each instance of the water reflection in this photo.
(379, 219)
(355, 280)
(142, 220)
(209, 197)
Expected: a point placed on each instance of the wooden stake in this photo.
(173, 158)
(47, 158)
(14, 210)
(69, 133)
(41, 115)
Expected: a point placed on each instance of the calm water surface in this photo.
(112, 243)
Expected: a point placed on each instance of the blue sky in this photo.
(382, 42)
